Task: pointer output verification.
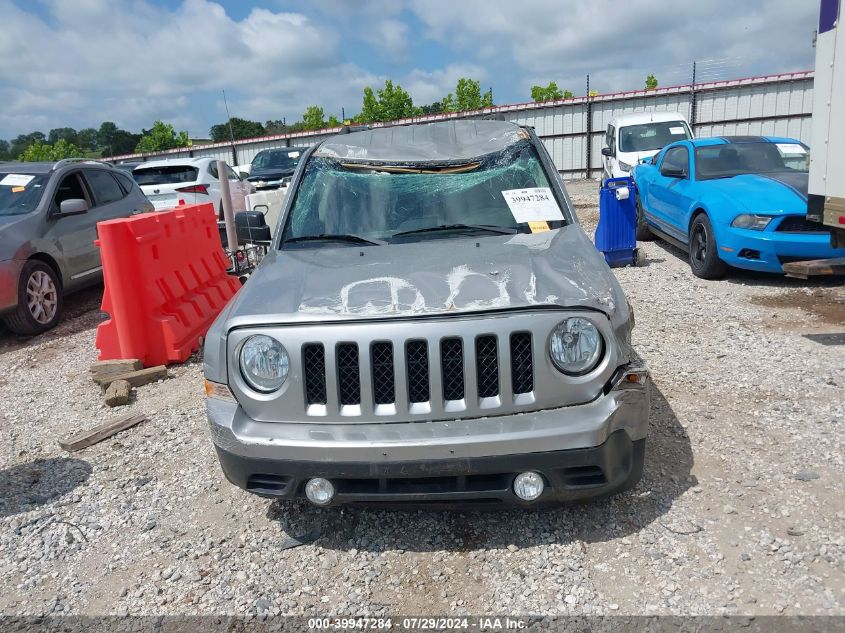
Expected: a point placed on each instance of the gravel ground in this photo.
(740, 510)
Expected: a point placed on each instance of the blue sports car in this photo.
(733, 201)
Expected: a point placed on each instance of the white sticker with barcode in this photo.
(532, 204)
(676, 130)
(16, 180)
(790, 148)
(293, 154)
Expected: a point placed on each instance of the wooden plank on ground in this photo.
(85, 439)
(815, 267)
(135, 378)
(121, 366)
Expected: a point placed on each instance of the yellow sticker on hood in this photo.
(538, 226)
(18, 189)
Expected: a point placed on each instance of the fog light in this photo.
(319, 491)
(528, 486)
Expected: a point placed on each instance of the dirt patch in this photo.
(827, 304)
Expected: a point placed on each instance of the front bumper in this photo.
(10, 273)
(581, 451)
(771, 249)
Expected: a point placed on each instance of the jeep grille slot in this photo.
(487, 366)
(383, 375)
(348, 374)
(416, 354)
(452, 368)
(522, 366)
(314, 370)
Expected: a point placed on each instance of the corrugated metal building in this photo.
(573, 129)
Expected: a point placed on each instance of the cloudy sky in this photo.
(79, 62)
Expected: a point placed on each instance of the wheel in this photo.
(644, 234)
(703, 256)
(39, 300)
(635, 260)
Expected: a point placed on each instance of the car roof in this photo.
(45, 167)
(424, 142)
(646, 117)
(725, 140)
(164, 162)
(292, 148)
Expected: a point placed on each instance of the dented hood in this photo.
(456, 275)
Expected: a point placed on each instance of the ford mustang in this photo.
(733, 201)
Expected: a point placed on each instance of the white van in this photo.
(632, 137)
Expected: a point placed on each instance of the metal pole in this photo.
(589, 130)
(693, 106)
(228, 212)
(231, 132)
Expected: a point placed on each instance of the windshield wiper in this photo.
(338, 237)
(443, 228)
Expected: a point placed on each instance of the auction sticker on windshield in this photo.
(790, 148)
(16, 180)
(532, 204)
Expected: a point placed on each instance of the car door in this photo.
(72, 235)
(109, 203)
(671, 191)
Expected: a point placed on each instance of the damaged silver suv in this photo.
(431, 325)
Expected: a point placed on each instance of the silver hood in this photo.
(441, 276)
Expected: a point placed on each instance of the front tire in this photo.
(703, 255)
(644, 234)
(39, 300)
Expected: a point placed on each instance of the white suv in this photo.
(169, 183)
(632, 137)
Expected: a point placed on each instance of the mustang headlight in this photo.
(576, 346)
(264, 363)
(751, 221)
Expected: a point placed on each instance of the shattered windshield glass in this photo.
(339, 199)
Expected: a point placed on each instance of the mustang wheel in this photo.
(703, 258)
(39, 300)
(644, 234)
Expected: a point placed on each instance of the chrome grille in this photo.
(452, 368)
(416, 358)
(522, 364)
(314, 364)
(384, 391)
(348, 374)
(487, 366)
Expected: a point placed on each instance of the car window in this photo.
(733, 159)
(277, 158)
(104, 186)
(232, 174)
(71, 188)
(165, 174)
(676, 158)
(374, 202)
(126, 182)
(20, 192)
(212, 169)
(647, 137)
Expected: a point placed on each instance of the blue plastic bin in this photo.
(616, 234)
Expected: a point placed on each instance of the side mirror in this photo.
(605, 151)
(673, 172)
(252, 227)
(243, 175)
(73, 206)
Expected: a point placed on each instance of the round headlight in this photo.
(575, 346)
(264, 363)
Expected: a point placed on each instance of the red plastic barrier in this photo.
(166, 281)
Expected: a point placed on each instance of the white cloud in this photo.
(389, 35)
(427, 86)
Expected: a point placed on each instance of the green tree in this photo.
(5, 150)
(124, 142)
(650, 82)
(241, 128)
(333, 122)
(387, 104)
(66, 133)
(40, 151)
(549, 93)
(105, 136)
(86, 138)
(314, 118)
(467, 96)
(22, 141)
(430, 108)
(160, 137)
